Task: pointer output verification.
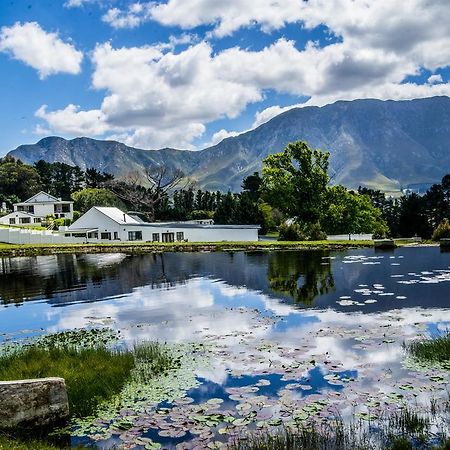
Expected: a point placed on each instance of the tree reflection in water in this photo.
(301, 275)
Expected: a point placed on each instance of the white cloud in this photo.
(156, 96)
(78, 3)
(72, 121)
(43, 51)
(220, 135)
(435, 79)
(133, 16)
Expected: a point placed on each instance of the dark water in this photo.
(350, 308)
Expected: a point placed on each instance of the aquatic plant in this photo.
(93, 371)
(431, 351)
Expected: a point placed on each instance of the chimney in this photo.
(124, 217)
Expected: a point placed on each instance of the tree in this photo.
(295, 181)
(350, 212)
(89, 197)
(130, 189)
(95, 179)
(252, 186)
(60, 179)
(18, 180)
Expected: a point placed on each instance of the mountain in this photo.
(374, 143)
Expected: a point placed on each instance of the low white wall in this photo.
(28, 236)
(351, 237)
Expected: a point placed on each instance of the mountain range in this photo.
(387, 145)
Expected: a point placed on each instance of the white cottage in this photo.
(35, 209)
(112, 224)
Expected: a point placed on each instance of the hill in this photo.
(379, 144)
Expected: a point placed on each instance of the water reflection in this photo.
(303, 276)
(299, 320)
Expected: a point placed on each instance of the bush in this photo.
(314, 232)
(291, 232)
(442, 231)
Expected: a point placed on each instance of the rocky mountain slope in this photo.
(380, 144)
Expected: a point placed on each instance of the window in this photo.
(65, 208)
(105, 236)
(168, 237)
(116, 236)
(25, 220)
(12, 221)
(180, 236)
(155, 237)
(135, 235)
(37, 220)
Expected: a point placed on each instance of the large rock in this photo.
(33, 404)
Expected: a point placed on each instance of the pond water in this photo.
(272, 338)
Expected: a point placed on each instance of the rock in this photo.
(33, 404)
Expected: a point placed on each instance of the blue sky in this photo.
(187, 73)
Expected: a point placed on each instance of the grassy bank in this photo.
(403, 430)
(433, 351)
(93, 373)
(149, 247)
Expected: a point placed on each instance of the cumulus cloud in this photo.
(220, 135)
(156, 96)
(435, 79)
(71, 120)
(78, 3)
(45, 52)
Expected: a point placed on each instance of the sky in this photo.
(188, 73)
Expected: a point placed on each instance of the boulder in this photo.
(33, 404)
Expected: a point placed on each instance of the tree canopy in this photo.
(295, 181)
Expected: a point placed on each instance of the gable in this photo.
(42, 197)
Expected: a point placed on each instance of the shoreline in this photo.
(12, 250)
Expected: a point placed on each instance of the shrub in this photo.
(291, 232)
(314, 232)
(442, 231)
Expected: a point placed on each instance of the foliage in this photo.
(431, 350)
(96, 179)
(291, 232)
(442, 231)
(86, 198)
(59, 179)
(18, 180)
(350, 212)
(80, 361)
(295, 181)
(160, 180)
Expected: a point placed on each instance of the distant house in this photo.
(35, 209)
(112, 224)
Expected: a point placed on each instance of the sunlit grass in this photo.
(92, 375)
(431, 350)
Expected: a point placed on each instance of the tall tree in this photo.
(18, 179)
(295, 181)
(160, 178)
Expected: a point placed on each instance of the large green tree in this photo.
(89, 197)
(351, 212)
(295, 181)
(18, 179)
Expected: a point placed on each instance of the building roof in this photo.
(43, 197)
(18, 213)
(117, 215)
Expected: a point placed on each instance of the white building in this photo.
(112, 224)
(35, 209)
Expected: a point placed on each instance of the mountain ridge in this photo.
(381, 144)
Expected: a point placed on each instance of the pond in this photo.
(268, 338)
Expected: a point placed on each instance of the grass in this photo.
(403, 430)
(435, 350)
(143, 247)
(92, 374)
